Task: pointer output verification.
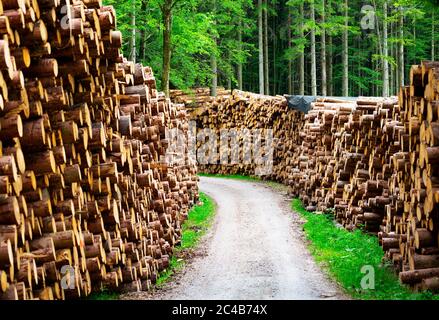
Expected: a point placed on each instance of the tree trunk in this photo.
(214, 67)
(433, 55)
(261, 48)
(214, 62)
(274, 31)
(401, 48)
(391, 55)
(345, 84)
(385, 53)
(132, 55)
(167, 31)
(240, 51)
(142, 45)
(266, 62)
(229, 77)
(323, 54)
(380, 49)
(290, 62)
(313, 52)
(329, 49)
(143, 35)
(302, 56)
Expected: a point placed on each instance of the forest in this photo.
(304, 47)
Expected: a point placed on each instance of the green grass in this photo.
(104, 295)
(199, 220)
(344, 253)
(174, 265)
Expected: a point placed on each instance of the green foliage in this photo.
(174, 265)
(199, 220)
(202, 29)
(104, 295)
(345, 253)
(198, 31)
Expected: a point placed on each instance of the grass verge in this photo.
(104, 295)
(345, 253)
(198, 222)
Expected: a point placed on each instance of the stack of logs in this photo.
(411, 233)
(372, 162)
(344, 150)
(87, 200)
(194, 98)
(241, 111)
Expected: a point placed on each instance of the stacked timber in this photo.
(314, 162)
(87, 200)
(373, 162)
(198, 97)
(247, 117)
(331, 166)
(411, 233)
(360, 190)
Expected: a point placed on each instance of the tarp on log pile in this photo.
(303, 103)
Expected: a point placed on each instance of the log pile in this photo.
(87, 200)
(361, 146)
(313, 162)
(246, 113)
(411, 233)
(198, 97)
(373, 162)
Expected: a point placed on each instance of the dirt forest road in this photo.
(254, 250)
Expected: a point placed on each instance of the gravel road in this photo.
(255, 250)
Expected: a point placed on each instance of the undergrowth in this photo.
(345, 253)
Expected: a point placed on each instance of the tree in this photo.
(240, 51)
(261, 49)
(132, 55)
(313, 50)
(433, 55)
(166, 9)
(401, 47)
(214, 85)
(323, 51)
(330, 48)
(345, 83)
(266, 58)
(302, 55)
(183, 44)
(385, 53)
(290, 60)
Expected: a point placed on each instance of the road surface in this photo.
(255, 250)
